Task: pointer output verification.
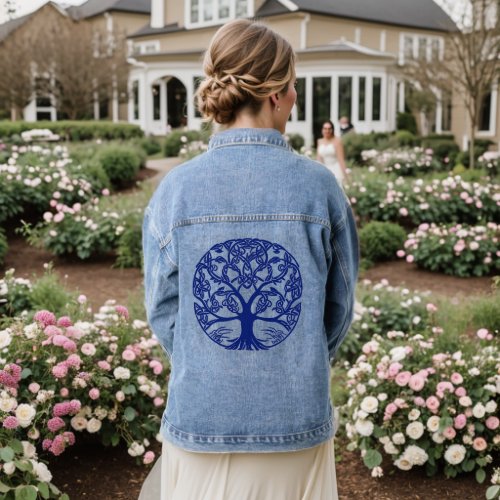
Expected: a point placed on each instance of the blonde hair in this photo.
(245, 63)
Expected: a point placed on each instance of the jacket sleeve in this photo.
(161, 285)
(341, 282)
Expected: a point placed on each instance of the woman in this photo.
(330, 152)
(250, 265)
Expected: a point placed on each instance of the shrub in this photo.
(151, 145)
(176, 139)
(15, 295)
(120, 163)
(355, 144)
(94, 172)
(380, 241)
(406, 138)
(129, 249)
(422, 406)
(458, 250)
(406, 121)
(4, 246)
(296, 141)
(486, 312)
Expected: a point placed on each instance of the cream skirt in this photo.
(299, 475)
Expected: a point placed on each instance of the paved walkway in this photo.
(162, 166)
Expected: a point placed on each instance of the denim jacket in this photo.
(250, 265)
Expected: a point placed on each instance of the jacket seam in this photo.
(285, 146)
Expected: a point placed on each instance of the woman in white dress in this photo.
(331, 152)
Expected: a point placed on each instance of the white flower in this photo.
(397, 353)
(465, 401)
(79, 423)
(455, 454)
(474, 372)
(7, 404)
(490, 407)
(5, 338)
(377, 472)
(433, 423)
(121, 372)
(369, 404)
(479, 410)
(399, 438)
(120, 396)
(382, 396)
(361, 388)
(414, 414)
(438, 438)
(390, 449)
(34, 433)
(25, 414)
(41, 471)
(415, 430)
(384, 439)
(29, 450)
(364, 427)
(94, 425)
(467, 439)
(403, 463)
(9, 468)
(416, 455)
(136, 449)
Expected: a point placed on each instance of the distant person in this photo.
(345, 126)
(330, 152)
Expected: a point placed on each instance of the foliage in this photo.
(4, 246)
(296, 141)
(129, 249)
(459, 250)
(15, 295)
(121, 164)
(379, 241)
(406, 121)
(423, 406)
(354, 144)
(446, 150)
(77, 130)
(176, 139)
(151, 145)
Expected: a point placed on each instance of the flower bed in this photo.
(61, 377)
(419, 405)
(459, 250)
(405, 162)
(417, 201)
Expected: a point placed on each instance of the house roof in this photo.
(424, 14)
(95, 7)
(346, 46)
(148, 30)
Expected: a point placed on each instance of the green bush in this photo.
(406, 121)
(380, 241)
(74, 130)
(296, 141)
(151, 145)
(442, 146)
(354, 144)
(94, 172)
(405, 138)
(120, 163)
(4, 247)
(176, 139)
(129, 249)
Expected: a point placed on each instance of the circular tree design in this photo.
(248, 294)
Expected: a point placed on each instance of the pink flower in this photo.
(456, 378)
(128, 355)
(419, 401)
(60, 370)
(69, 437)
(104, 365)
(492, 423)
(61, 409)
(94, 393)
(64, 321)
(56, 423)
(442, 387)
(88, 349)
(410, 258)
(73, 332)
(431, 308)
(105, 192)
(479, 444)
(416, 383)
(82, 299)
(51, 330)
(64, 392)
(59, 340)
(34, 387)
(74, 360)
(122, 311)
(402, 378)
(46, 444)
(460, 392)
(394, 369)
(400, 253)
(69, 346)
(58, 445)
(403, 211)
(10, 422)
(156, 366)
(449, 433)
(74, 406)
(432, 403)
(482, 333)
(148, 458)
(460, 421)
(158, 401)
(44, 317)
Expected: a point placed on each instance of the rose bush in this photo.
(459, 250)
(422, 406)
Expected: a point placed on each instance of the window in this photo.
(156, 101)
(301, 99)
(420, 47)
(408, 47)
(435, 50)
(361, 98)
(484, 120)
(135, 99)
(196, 83)
(377, 98)
(345, 96)
(322, 91)
(216, 11)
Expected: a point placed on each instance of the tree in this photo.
(469, 64)
(247, 293)
(10, 8)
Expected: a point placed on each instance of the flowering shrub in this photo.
(490, 162)
(406, 162)
(459, 250)
(14, 295)
(191, 149)
(101, 375)
(417, 201)
(421, 406)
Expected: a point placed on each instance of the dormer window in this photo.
(210, 12)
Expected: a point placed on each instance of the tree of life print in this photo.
(248, 294)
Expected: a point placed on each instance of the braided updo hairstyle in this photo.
(245, 63)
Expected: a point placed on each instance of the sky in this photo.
(26, 6)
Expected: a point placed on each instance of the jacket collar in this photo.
(234, 136)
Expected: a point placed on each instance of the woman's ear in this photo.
(275, 98)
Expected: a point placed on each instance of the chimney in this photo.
(157, 13)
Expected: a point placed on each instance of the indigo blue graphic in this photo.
(248, 294)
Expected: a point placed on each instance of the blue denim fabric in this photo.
(250, 262)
